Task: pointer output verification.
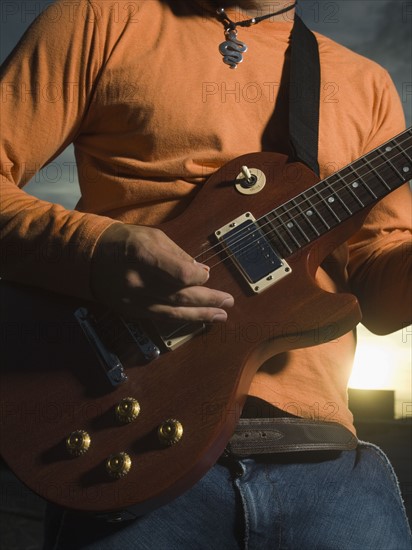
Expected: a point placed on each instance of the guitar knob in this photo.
(170, 432)
(127, 410)
(118, 465)
(78, 443)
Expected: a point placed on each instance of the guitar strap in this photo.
(304, 95)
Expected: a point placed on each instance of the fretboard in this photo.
(333, 200)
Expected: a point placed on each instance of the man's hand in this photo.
(140, 272)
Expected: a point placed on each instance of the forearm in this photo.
(44, 244)
(385, 291)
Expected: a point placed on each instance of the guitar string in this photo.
(317, 192)
(243, 236)
(287, 235)
(328, 185)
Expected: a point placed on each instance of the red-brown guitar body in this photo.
(51, 383)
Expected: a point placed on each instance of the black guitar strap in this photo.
(304, 95)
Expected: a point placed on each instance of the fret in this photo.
(323, 208)
(404, 145)
(278, 232)
(394, 155)
(388, 166)
(352, 185)
(407, 156)
(392, 178)
(392, 165)
(288, 223)
(329, 202)
(378, 174)
(359, 188)
(399, 154)
(292, 226)
(342, 194)
(369, 189)
(289, 228)
(333, 206)
(365, 175)
(313, 204)
(365, 183)
(274, 234)
(305, 217)
(352, 190)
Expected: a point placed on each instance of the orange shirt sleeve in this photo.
(380, 266)
(46, 86)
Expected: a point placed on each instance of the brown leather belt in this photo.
(256, 436)
(268, 436)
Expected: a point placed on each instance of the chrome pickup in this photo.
(109, 361)
(252, 252)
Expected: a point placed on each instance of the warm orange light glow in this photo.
(374, 366)
(385, 363)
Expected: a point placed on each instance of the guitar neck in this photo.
(332, 201)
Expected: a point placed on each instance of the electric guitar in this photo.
(99, 413)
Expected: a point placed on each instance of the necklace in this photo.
(233, 49)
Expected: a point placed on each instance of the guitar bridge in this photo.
(108, 360)
(148, 348)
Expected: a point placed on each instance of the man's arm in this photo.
(380, 259)
(46, 86)
(380, 265)
(44, 244)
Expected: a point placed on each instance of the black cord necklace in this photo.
(233, 49)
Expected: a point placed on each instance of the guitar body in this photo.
(52, 383)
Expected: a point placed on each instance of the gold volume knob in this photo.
(127, 410)
(170, 431)
(118, 465)
(78, 443)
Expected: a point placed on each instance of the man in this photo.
(153, 110)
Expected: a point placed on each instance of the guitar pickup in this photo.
(252, 253)
(174, 335)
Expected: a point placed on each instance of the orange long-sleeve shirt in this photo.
(141, 90)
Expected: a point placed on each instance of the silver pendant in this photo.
(232, 49)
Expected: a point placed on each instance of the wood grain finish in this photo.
(52, 385)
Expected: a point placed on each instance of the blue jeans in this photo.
(349, 501)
